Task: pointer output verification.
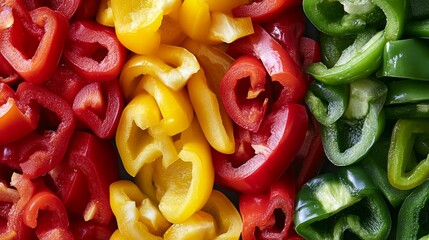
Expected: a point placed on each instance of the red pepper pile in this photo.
(60, 104)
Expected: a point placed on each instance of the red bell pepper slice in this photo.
(33, 49)
(94, 51)
(244, 94)
(45, 213)
(65, 7)
(271, 151)
(83, 177)
(278, 63)
(8, 75)
(89, 230)
(269, 215)
(264, 10)
(288, 29)
(310, 51)
(40, 151)
(100, 115)
(87, 10)
(16, 120)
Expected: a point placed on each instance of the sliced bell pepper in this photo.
(83, 177)
(8, 75)
(90, 230)
(413, 213)
(171, 64)
(269, 215)
(8, 198)
(183, 187)
(16, 120)
(86, 10)
(343, 204)
(245, 92)
(260, 158)
(265, 10)
(41, 150)
(375, 164)
(33, 49)
(199, 225)
(348, 139)
(66, 8)
(105, 14)
(99, 114)
(94, 52)
(405, 170)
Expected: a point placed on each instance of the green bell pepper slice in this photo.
(417, 29)
(406, 58)
(414, 212)
(405, 170)
(327, 102)
(341, 205)
(359, 60)
(348, 139)
(375, 165)
(345, 17)
(418, 110)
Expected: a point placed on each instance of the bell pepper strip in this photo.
(310, 52)
(260, 158)
(82, 179)
(375, 164)
(413, 212)
(41, 150)
(137, 23)
(218, 133)
(332, 47)
(105, 14)
(66, 8)
(265, 10)
(47, 215)
(215, 63)
(8, 75)
(86, 10)
(245, 92)
(341, 204)
(407, 52)
(8, 197)
(348, 139)
(269, 215)
(199, 22)
(126, 201)
(183, 187)
(90, 230)
(99, 106)
(171, 64)
(404, 168)
(36, 58)
(224, 6)
(199, 225)
(359, 60)
(327, 102)
(278, 63)
(94, 52)
(170, 31)
(137, 143)
(16, 120)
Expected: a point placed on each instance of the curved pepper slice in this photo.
(41, 150)
(265, 10)
(94, 52)
(127, 203)
(348, 139)
(84, 175)
(16, 120)
(8, 75)
(90, 230)
(404, 169)
(413, 213)
(184, 186)
(216, 128)
(244, 94)
(277, 62)
(66, 8)
(269, 215)
(99, 114)
(171, 64)
(332, 204)
(105, 14)
(34, 54)
(8, 198)
(261, 158)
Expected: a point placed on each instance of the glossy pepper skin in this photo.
(413, 213)
(363, 116)
(261, 158)
(406, 168)
(263, 11)
(333, 205)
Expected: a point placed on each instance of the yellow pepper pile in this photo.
(173, 117)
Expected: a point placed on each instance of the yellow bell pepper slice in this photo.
(225, 6)
(171, 32)
(216, 125)
(175, 106)
(136, 142)
(105, 14)
(200, 225)
(203, 24)
(126, 202)
(184, 186)
(172, 65)
(117, 236)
